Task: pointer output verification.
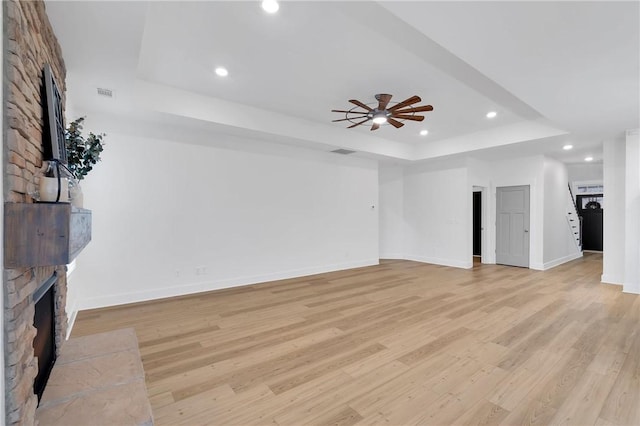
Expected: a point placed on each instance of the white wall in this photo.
(613, 234)
(585, 172)
(632, 213)
(559, 244)
(172, 218)
(436, 211)
(391, 213)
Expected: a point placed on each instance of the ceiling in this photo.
(555, 72)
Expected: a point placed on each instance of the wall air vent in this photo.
(105, 92)
(343, 151)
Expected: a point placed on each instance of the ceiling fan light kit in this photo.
(380, 117)
(383, 113)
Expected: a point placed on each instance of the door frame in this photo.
(484, 212)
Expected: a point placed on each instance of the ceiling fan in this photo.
(380, 115)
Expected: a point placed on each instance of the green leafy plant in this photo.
(82, 154)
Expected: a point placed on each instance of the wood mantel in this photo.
(44, 234)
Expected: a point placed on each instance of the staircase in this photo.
(573, 219)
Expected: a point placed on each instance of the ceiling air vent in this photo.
(343, 151)
(105, 92)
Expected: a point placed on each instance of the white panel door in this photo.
(512, 226)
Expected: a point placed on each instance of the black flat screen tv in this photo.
(53, 144)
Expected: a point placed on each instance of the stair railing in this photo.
(575, 208)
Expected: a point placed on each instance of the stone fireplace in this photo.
(29, 43)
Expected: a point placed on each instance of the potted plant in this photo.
(82, 154)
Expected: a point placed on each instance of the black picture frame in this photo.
(53, 144)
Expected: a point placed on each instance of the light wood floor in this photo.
(399, 343)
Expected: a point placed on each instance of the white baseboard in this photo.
(203, 286)
(633, 288)
(71, 267)
(71, 321)
(395, 256)
(560, 261)
(611, 279)
(536, 266)
(444, 262)
(72, 303)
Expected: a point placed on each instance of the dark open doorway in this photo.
(591, 208)
(477, 223)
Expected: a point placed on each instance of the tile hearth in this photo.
(97, 379)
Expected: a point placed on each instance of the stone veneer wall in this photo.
(29, 43)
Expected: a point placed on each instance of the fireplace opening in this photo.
(44, 344)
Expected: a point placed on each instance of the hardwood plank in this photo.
(521, 381)
(179, 336)
(443, 411)
(310, 373)
(483, 413)
(180, 411)
(622, 406)
(536, 340)
(227, 412)
(307, 401)
(560, 382)
(472, 389)
(343, 416)
(411, 384)
(434, 346)
(583, 405)
(531, 413)
(528, 325)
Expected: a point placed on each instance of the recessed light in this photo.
(270, 6)
(567, 147)
(424, 132)
(222, 71)
(588, 159)
(491, 114)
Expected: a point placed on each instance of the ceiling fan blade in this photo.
(375, 126)
(395, 123)
(345, 119)
(349, 112)
(359, 123)
(416, 109)
(383, 101)
(409, 117)
(360, 104)
(410, 101)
